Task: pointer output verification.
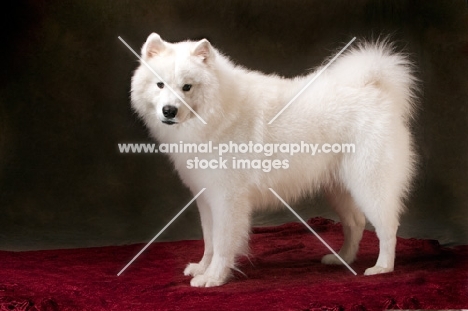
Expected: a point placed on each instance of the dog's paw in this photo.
(377, 270)
(331, 259)
(194, 269)
(206, 281)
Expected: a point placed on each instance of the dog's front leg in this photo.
(231, 225)
(206, 218)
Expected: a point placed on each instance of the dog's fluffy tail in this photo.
(378, 64)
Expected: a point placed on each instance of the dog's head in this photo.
(173, 80)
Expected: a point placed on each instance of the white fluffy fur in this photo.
(365, 98)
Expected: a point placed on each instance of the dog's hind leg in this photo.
(353, 222)
(386, 228)
(374, 193)
(378, 179)
(383, 213)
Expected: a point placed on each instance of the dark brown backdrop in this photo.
(64, 108)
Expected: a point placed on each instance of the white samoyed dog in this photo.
(364, 98)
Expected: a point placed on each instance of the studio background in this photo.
(64, 107)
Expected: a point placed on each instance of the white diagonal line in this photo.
(312, 230)
(160, 232)
(312, 80)
(162, 80)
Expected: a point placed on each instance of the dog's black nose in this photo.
(169, 111)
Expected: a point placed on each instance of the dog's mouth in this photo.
(169, 122)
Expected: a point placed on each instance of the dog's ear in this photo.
(153, 46)
(203, 50)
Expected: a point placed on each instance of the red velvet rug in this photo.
(284, 273)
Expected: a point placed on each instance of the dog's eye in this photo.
(186, 87)
(160, 85)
